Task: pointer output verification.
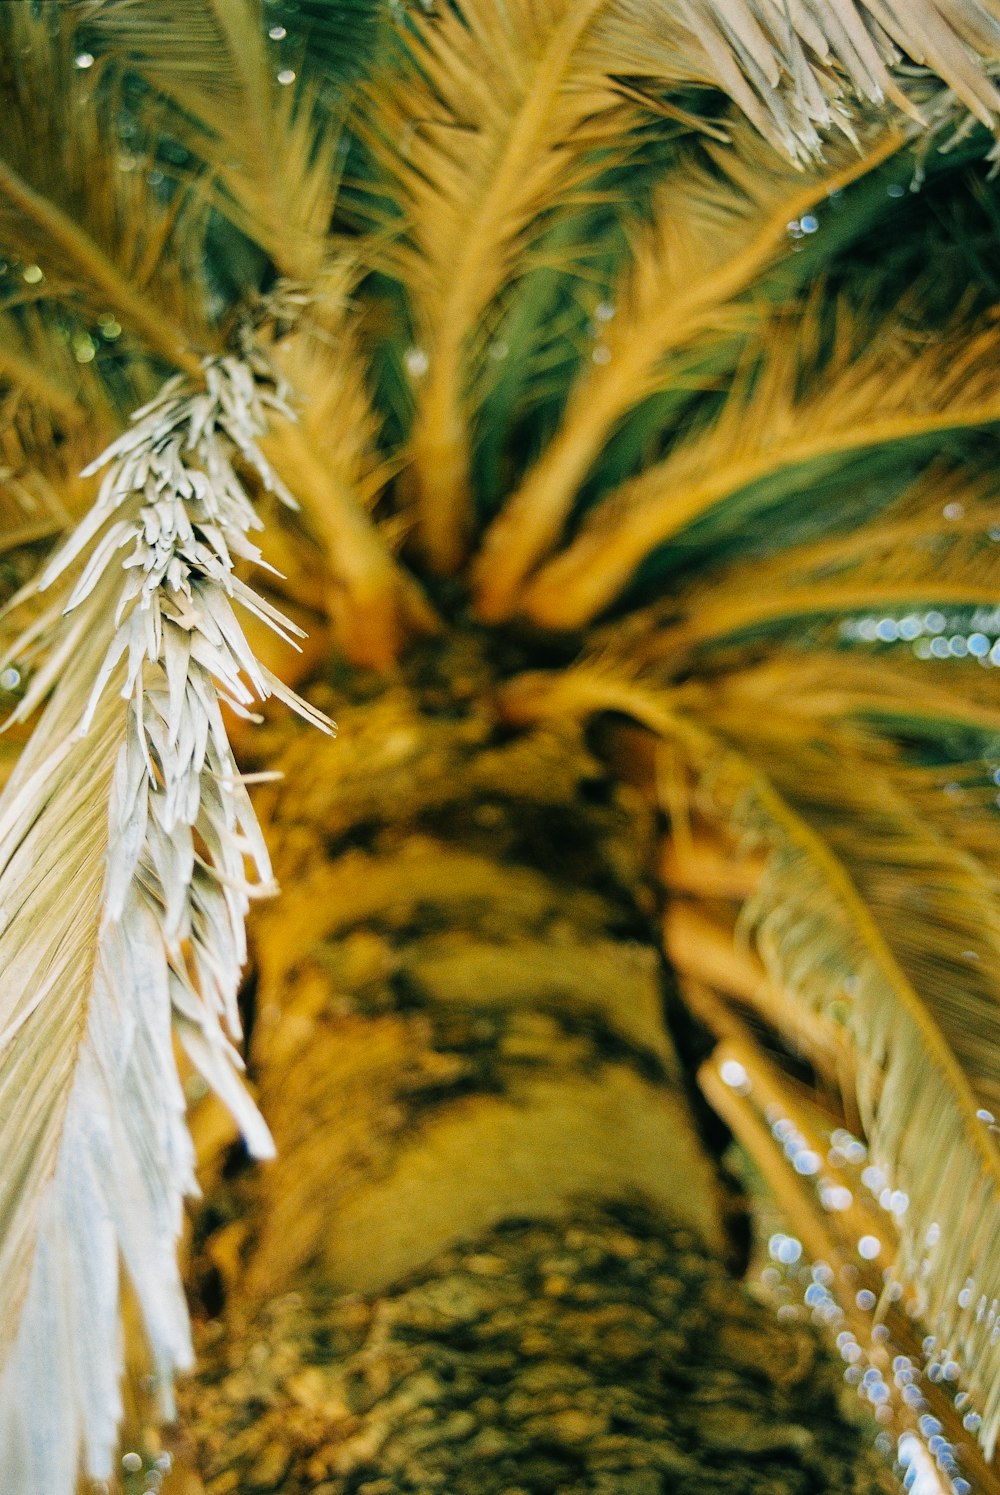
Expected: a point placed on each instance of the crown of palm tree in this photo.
(624, 314)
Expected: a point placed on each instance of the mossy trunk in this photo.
(490, 1257)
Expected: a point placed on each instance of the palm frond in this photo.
(789, 67)
(720, 219)
(56, 825)
(490, 117)
(936, 905)
(770, 1118)
(330, 460)
(36, 500)
(41, 367)
(934, 548)
(861, 914)
(872, 392)
(98, 231)
(109, 231)
(125, 836)
(480, 137)
(270, 146)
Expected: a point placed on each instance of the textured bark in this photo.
(601, 1355)
(489, 1256)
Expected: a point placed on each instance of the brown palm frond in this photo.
(53, 407)
(876, 388)
(720, 219)
(38, 500)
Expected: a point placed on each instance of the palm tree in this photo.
(616, 382)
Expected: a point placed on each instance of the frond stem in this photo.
(710, 625)
(439, 442)
(380, 604)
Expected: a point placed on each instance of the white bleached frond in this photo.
(789, 63)
(129, 854)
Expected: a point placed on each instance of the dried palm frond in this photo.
(116, 233)
(178, 175)
(788, 66)
(874, 390)
(861, 914)
(124, 834)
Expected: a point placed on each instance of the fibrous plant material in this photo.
(123, 848)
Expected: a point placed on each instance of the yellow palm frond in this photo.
(270, 148)
(491, 131)
(40, 499)
(78, 215)
(876, 389)
(720, 219)
(485, 134)
(937, 547)
(330, 460)
(822, 685)
(868, 705)
(867, 915)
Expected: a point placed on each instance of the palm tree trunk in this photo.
(489, 1258)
